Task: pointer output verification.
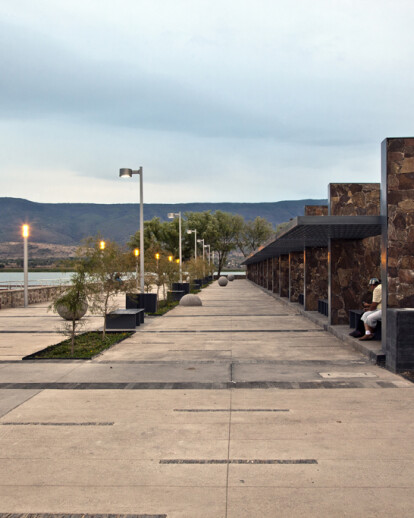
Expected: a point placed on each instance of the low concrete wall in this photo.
(15, 298)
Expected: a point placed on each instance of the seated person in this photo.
(373, 311)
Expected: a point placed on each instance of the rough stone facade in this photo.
(399, 188)
(353, 263)
(15, 298)
(354, 199)
(275, 268)
(296, 275)
(316, 210)
(397, 267)
(284, 276)
(316, 277)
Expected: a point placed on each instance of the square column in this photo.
(284, 276)
(275, 269)
(295, 275)
(351, 263)
(397, 257)
(315, 277)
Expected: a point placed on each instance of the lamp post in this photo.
(127, 173)
(208, 246)
(172, 215)
(136, 253)
(25, 234)
(194, 231)
(201, 241)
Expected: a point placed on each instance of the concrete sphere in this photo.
(223, 281)
(230, 277)
(190, 300)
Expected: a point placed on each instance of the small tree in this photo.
(109, 272)
(73, 303)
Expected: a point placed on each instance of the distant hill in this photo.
(69, 223)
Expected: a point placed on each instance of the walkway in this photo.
(216, 411)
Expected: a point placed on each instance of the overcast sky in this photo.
(218, 100)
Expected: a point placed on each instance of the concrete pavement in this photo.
(239, 408)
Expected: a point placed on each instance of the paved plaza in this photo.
(239, 408)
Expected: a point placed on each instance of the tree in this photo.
(253, 234)
(224, 230)
(73, 303)
(109, 273)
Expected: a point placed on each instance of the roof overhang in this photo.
(315, 231)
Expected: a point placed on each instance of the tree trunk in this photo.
(73, 338)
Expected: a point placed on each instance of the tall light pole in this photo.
(25, 234)
(172, 215)
(208, 246)
(194, 231)
(127, 173)
(201, 241)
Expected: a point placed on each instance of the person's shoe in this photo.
(367, 337)
(355, 333)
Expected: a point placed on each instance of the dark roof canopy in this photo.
(315, 231)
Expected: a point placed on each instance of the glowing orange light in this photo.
(157, 256)
(177, 261)
(102, 245)
(136, 252)
(170, 258)
(25, 230)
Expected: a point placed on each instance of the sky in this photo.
(218, 100)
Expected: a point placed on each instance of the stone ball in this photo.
(66, 314)
(223, 281)
(230, 277)
(190, 300)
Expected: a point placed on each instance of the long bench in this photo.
(125, 319)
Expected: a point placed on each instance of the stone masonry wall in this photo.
(354, 263)
(400, 212)
(316, 210)
(284, 276)
(15, 298)
(354, 199)
(316, 277)
(296, 275)
(275, 268)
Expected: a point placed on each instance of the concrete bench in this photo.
(124, 319)
(323, 306)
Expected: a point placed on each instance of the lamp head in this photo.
(25, 230)
(136, 252)
(170, 258)
(125, 173)
(157, 256)
(171, 215)
(102, 245)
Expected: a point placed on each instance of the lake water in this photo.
(16, 279)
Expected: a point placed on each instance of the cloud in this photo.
(220, 101)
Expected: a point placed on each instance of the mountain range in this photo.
(69, 223)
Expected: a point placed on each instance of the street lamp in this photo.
(172, 215)
(208, 246)
(127, 173)
(136, 253)
(25, 234)
(201, 241)
(194, 231)
(102, 245)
